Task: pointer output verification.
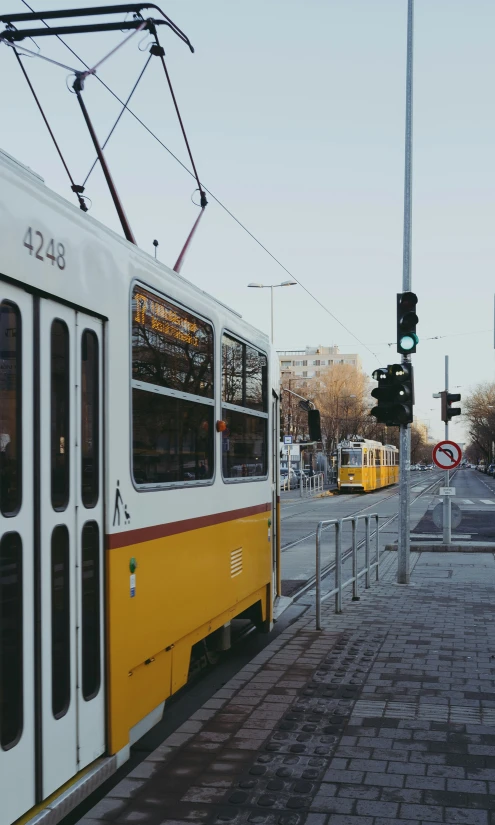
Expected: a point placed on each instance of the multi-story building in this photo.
(312, 363)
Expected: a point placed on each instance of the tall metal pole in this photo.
(403, 560)
(447, 507)
(271, 302)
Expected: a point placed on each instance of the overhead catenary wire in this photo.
(215, 198)
(124, 107)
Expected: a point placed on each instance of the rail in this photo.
(307, 486)
(339, 559)
(312, 486)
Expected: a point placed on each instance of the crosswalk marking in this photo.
(487, 501)
(467, 501)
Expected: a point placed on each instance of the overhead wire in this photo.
(124, 107)
(215, 198)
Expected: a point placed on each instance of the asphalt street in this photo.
(475, 498)
(300, 518)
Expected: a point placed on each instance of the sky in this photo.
(295, 114)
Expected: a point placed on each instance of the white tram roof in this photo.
(101, 265)
(356, 442)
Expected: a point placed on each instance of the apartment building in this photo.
(312, 363)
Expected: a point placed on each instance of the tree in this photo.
(343, 401)
(479, 411)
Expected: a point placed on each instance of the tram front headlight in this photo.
(351, 476)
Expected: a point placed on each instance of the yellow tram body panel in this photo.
(226, 570)
(364, 466)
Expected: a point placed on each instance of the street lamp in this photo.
(271, 287)
(337, 417)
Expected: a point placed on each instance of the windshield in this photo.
(350, 458)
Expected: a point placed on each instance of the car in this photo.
(491, 469)
(284, 475)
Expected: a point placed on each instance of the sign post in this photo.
(447, 456)
(447, 512)
(288, 441)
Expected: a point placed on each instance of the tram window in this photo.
(89, 419)
(172, 439)
(378, 458)
(90, 610)
(350, 458)
(170, 347)
(244, 445)
(60, 376)
(10, 409)
(11, 648)
(60, 577)
(244, 375)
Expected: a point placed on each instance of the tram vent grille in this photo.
(236, 562)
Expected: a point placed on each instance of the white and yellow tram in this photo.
(138, 500)
(365, 465)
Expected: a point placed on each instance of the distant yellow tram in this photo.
(364, 465)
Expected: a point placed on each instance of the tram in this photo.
(138, 490)
(365, 465)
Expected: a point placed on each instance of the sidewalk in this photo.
(386, 716)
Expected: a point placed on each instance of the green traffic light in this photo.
(408, 342)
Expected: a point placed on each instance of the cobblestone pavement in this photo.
(386, 716)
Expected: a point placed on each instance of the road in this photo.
(475, 497)
(301, 516)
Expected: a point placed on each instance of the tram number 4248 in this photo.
(55, 255)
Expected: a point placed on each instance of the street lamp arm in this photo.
(300, 396)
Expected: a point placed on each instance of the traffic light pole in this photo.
(403, 548)
(447, 507)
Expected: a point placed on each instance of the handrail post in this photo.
(318, 576)
(377, 550)
(355, 596)
(338, 567)
(367, 552)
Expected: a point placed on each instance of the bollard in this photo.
(367, 578)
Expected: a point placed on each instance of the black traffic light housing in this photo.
(406, 322)
(395, 395)
(448, 398)
(314, 425)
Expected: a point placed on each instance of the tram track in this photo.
(329, 568)
(355, 513)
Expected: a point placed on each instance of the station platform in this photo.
(387, 715)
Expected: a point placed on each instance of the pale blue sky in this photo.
(295, 112)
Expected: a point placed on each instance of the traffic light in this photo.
(406, 322)
(314, 425)
(395, 395)
(448, 399)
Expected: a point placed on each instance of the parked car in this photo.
(491, 469)
(294, 481)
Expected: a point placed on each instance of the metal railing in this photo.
(313, 485)
(340, 559)
(307, 486)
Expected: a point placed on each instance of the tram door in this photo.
(69, 399)
(17, 732)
